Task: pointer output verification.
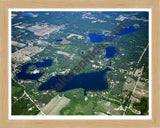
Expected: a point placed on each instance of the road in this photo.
(33, 102)
(30, 100)
(142, 54)
(19, 98)
(133, 90)
(131, 96)
(138, 78)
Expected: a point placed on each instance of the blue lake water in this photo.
(45, 63)
(25, 76)
(88, 81)
(59, 40)
(110, 52)
(127, 30)
(40, 12)
(94, 38)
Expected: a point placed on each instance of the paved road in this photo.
(133, 91)
(30, 100)
(138, 78)
(33, 102)
(142, 54)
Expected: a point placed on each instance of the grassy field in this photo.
(129, 112)
(55, 105)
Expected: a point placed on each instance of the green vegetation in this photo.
(25, 25)
(111, 101)
(24, 107)
(17, 91)
(129, 112)
(142, 106)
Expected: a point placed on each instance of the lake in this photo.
(95, 38)
(87, 81)
(26, 76)
(59, 40)
(127, 30)
(110, 52)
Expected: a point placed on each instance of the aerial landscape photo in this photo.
(79, 63)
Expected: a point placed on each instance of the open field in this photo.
(24, 54)
(78, 36)
(44, 29)
(66, 54)
(55, 105)
(15, 43)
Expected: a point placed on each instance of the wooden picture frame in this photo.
(5, 122)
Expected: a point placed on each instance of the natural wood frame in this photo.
(4, 8)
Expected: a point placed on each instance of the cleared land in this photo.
(55, 105)
(15, 43)
(66, 54)
(78, 36)
(44, 29)
(25, 54)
